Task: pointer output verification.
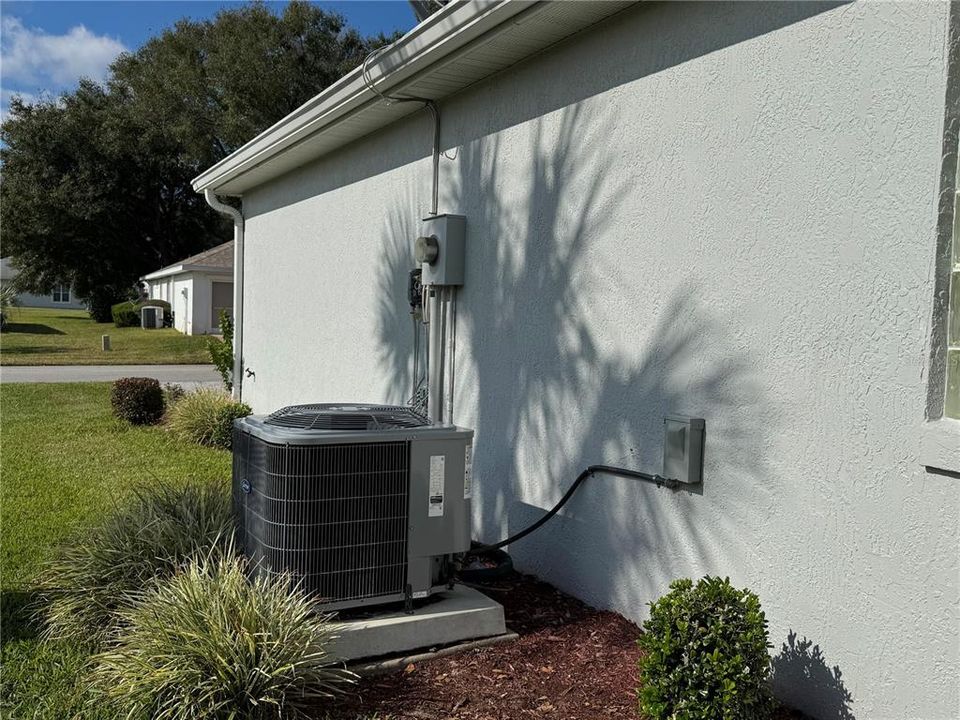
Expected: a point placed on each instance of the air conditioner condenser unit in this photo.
(362, 504)
(151, 316)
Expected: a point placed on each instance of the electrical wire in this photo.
(427, 102)
(659, 480)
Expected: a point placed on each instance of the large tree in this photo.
(95, 188)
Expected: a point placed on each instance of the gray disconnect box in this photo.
(443, 261)
(683, 448)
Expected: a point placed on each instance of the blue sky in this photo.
(46, 46)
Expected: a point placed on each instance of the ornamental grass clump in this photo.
(149, 538)
(209, 643)
(705, 654)
(206, 416)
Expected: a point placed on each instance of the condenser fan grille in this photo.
(335, 516)
(347, 417)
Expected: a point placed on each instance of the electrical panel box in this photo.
(683, 449)
(445, 241)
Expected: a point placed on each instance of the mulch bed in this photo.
(571, 662)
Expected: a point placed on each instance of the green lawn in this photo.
(65, 462)
(48, 336)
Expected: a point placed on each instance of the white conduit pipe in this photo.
(435, 376)
(230, 211)
(450, 326)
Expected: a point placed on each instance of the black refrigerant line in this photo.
(658, 480)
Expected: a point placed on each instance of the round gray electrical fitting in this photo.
(426, 249)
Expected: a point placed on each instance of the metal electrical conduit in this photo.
(440, 307)
(658, 480)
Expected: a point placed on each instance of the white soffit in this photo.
(452, 49)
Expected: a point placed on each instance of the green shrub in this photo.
(138, 400)
(221, 351)
(127, 314)
(172, 392)
(100, 303)
(705, 654)
(205, 416)
(150, 537)
(209, 643)
(223, 430)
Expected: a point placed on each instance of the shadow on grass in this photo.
(17, 620)
(32, 329)
(34, 350)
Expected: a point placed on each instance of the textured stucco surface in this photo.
(721, 210)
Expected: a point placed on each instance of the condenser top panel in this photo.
(346, 417)
(356, 422)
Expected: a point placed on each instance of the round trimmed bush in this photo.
(206, 416)
(150, 537)
(138, 400)
(210, 643)
(705, 654)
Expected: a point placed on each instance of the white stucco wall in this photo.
(724, 211)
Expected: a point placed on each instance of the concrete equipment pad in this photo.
(453, 616)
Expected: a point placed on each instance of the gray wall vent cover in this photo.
(325, 416)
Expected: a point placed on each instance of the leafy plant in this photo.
(151, 537)
(210, 643)
(8, 296)
(205, 416)
(705, 654)
(8, 301)
(223, 428)
(221, 351)
(172, 392)
(138, 400)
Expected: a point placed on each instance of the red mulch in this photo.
(571, 662)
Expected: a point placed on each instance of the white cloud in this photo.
(34, 59)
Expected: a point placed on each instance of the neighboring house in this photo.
(736, 211)
(61, 296)
(197, 288)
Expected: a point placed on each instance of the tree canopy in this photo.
(96, 183)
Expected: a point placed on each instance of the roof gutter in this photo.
(180, 269)
(440, 37)
(237, 217)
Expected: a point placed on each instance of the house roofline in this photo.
(449, 34)
(180, 269)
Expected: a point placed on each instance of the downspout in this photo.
(237, 217)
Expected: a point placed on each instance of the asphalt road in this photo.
(187, 375)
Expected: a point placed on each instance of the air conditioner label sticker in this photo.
(468, 473)
(437, 465)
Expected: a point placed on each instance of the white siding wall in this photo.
(722, 210)
(182, 303)
(8, 273)
(190, 297)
